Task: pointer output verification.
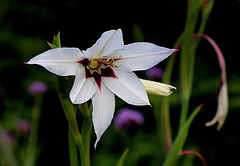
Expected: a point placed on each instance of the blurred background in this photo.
(25, 28)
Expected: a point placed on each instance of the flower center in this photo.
(93, 64)
(99, 67)
(97, 64)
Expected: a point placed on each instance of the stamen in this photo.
(97, 64)
(108, 61)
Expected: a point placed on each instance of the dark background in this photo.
(26, 25)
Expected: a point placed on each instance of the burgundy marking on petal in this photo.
(97, 79)
(105, 72)
(84, 62)
(108, 72)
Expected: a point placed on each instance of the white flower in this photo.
(103, 70)
(222, 108)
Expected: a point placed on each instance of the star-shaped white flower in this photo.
(103, 70)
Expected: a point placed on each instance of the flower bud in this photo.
(156, 88)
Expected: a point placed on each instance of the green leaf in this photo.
(52, 45)
(56, 42)
(122, 158)
(180, 140)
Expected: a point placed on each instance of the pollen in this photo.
(108, 61)
(93, 64)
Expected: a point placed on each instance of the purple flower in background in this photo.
(23, 126)
(155, 72)
(126, 117)
(6, 137)
(37, 88)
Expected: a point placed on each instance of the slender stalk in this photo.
(159, 124)
(73, 153)
(86, 130)
(30, 159)
(187, 59)
(165, 118)
(165, 106)
(70, 115)
(166, 125)
(7, 152)
(188, 53)
(62, 84)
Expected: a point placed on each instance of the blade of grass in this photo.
(180, 140)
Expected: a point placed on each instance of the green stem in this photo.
(187, 59)
(70, 115)
(30, 159)
(166, 125)
(165, 106)
(86, 130)
(72, 150)
(7, 152)
(159, 121)
(188, 53)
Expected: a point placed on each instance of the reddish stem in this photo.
(196, 154)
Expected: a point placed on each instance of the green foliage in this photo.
(180, 140)
(122, 158)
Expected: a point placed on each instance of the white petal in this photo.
(83, 89)
(60, 61)
(142, 56)
(128, 87)
(103, 109)
(109, 41)
(222, 109)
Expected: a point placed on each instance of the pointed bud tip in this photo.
(200, 106)
(175, 50)
(95, 147)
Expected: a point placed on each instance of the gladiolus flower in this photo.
(156, 88)
(103, 70)
(222, 108)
